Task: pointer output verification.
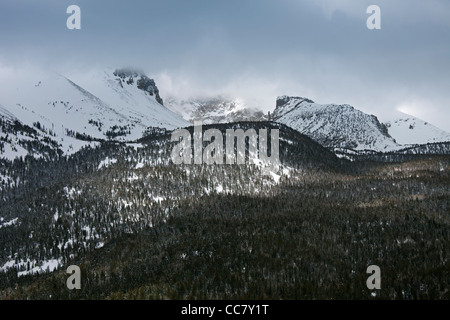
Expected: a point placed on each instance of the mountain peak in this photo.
(44, 114)
(127, 76)
(128, 72)
(283, 100)
(286, 104)
(333, 125)
(409, 130)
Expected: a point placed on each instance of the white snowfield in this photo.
(408, 130)
(131, 102)
(105, 108)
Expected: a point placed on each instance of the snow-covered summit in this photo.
(334, 125)
(131, 93)
(409, 130)
(73, 111)
(143, 82)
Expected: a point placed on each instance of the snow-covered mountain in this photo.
(215, 109)
(114, 104)
(132, 94)
(19, 140)
(409, 130)
(45, 114)
(333, 125)
(337, 126)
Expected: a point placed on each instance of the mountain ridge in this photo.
(372, 134)
(334, 125)
(74, 112)
(123, 104)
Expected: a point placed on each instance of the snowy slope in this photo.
(19, 140)
(214, 109)
(408, 130)
(332, 125)
(110, 107)
(132, 94)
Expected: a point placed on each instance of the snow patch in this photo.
(106, 162)
(8, 223)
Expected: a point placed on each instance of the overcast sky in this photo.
(250, 49)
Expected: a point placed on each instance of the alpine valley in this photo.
(86, 179)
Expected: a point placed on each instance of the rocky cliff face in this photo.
(130, 76)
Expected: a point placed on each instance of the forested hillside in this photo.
(141, 227)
